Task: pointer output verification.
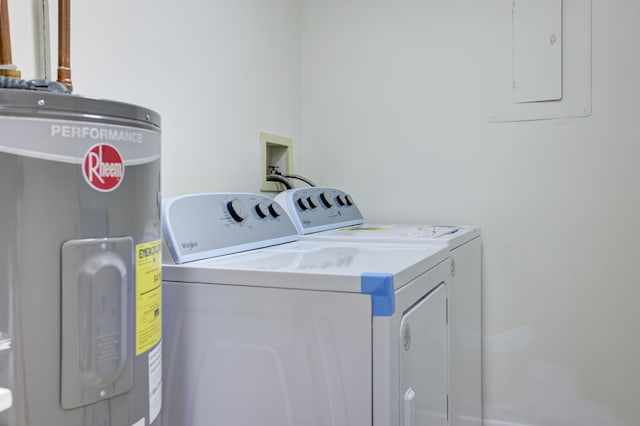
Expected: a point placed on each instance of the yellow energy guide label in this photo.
(148, 295)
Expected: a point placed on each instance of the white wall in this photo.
(394, 110)
(389, 103)
(218, 72)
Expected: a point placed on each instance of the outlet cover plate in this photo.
(277, 151)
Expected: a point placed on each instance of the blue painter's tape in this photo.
(380, 287)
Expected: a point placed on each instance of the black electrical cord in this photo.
(302, 178)
(280, 178)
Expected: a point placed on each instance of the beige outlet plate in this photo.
(277, 151)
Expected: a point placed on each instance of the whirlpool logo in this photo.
(190, 245)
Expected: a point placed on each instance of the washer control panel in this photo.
(318, 209)
(200, 226)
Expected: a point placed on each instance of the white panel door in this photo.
(424, 362)
(537, 50)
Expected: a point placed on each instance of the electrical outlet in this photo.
(277, 154)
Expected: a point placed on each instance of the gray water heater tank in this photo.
(80, 262)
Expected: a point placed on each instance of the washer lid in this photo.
(312, 265)
(445, 235)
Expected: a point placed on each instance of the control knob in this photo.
(302, 203)
(275, 210)
(324, 197)
(312, 205)
(262, 210)
(237, 210)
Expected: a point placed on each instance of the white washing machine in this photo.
(330, 214)
(263, 329)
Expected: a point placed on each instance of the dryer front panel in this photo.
(423, 361)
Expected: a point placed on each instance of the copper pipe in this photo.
(5, 34)
(5, 41)
(64, 43)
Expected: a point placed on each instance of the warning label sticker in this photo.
(155, 382)
(148, 295)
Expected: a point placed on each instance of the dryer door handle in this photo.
(409, 396)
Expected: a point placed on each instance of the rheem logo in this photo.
(103, 168)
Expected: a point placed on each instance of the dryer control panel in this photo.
(200, 226)
(318, 209)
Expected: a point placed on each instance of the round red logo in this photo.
(103, 168)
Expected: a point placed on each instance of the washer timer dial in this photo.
(237, 210)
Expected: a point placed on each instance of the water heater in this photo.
(80, 262)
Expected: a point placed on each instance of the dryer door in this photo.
(423, 361)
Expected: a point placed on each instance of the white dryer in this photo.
(330, 214)
(259, 331)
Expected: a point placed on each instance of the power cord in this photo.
(276, 176)
(302, 178)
